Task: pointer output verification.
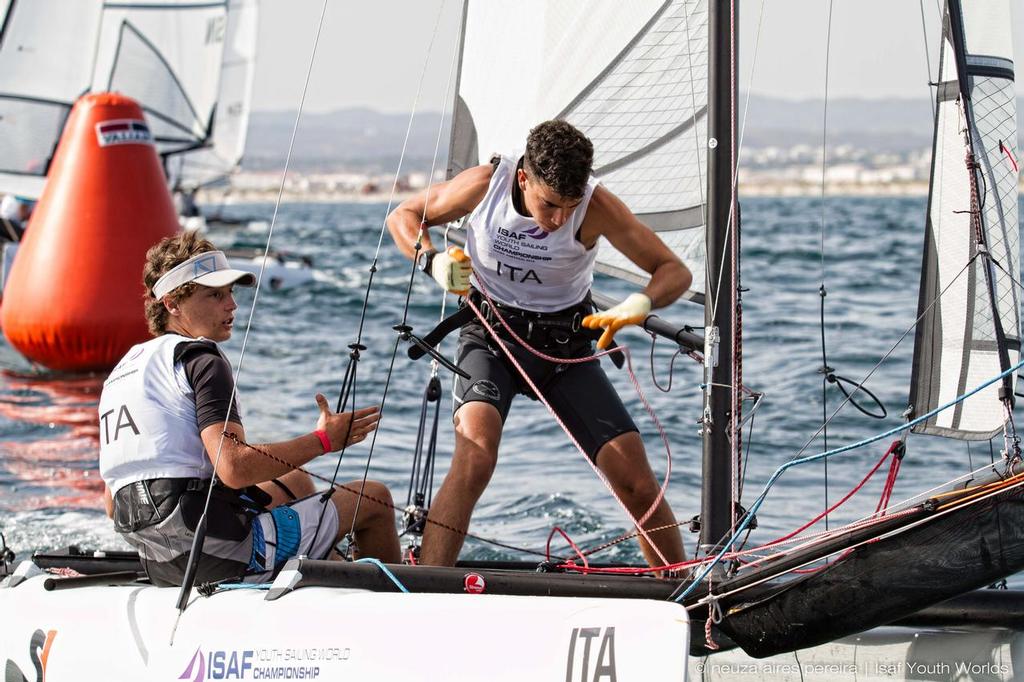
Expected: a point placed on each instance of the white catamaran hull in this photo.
(316, 633)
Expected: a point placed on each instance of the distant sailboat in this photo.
(189, 65)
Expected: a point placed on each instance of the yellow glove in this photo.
(451, 269)
(633, 310)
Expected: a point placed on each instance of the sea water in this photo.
(868, 259)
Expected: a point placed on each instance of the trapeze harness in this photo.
(539, 282)
(154, 461)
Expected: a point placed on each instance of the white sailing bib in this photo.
(517, 262)
(148, 425)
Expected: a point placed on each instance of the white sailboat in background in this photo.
(189, 65)
(165, 54)
(653, 83)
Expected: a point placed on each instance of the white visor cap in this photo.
(210, 268)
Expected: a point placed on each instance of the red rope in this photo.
(848, 495)
(540, 396)
(890, 483)
(883, 503)
(572, 544)
(1009, 155)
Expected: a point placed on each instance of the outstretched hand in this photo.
(633, 310)
(346, 428)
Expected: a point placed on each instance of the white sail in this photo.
(189, 65)
(956, 345)
(47, 50)
(632, 75)
(231, 116)
(165, 54)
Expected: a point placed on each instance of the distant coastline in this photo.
(873, 147)
(760, 189)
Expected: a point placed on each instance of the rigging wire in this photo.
(1012, 484)
(822, 291)
(385, 503)
(902, 508)
(434, 364)
(927, 55)
(884, 512)
(860, 385)
(402, 328)
(739, 146)
(733, 216)
(638, 523)
(683, 593)
(199, 537)
(701, 177)
(421, 483)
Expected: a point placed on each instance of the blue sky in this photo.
(372, 52)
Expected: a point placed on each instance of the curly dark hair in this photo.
(561, 157)
(160, 259)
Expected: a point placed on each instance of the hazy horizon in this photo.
(372, 54)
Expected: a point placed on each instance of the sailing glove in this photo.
(451, 269)
(633, 310)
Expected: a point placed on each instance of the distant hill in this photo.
(368, 140)
(356, 139)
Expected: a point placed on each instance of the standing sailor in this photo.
(534, 224)
(163, 411)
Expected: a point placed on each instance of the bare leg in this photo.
(624, 462)
(299, 482)
(477, 434)
(375, 527)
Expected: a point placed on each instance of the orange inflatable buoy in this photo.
(73, 301)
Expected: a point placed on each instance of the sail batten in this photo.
(960, 339)
(631, 76)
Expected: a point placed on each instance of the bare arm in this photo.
(607, 215)
(241, 466)
(440, 204)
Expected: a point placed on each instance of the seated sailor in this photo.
(163, 414)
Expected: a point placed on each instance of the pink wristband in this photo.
(324, 440)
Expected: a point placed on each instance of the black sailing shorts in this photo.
(580, 393)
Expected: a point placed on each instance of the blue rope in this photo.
(244, 586)
(821, 455)
(384, 569)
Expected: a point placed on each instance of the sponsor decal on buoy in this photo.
(123, 131)
(72, 301)
(474, 583)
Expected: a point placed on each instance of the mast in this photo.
(720, 300)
